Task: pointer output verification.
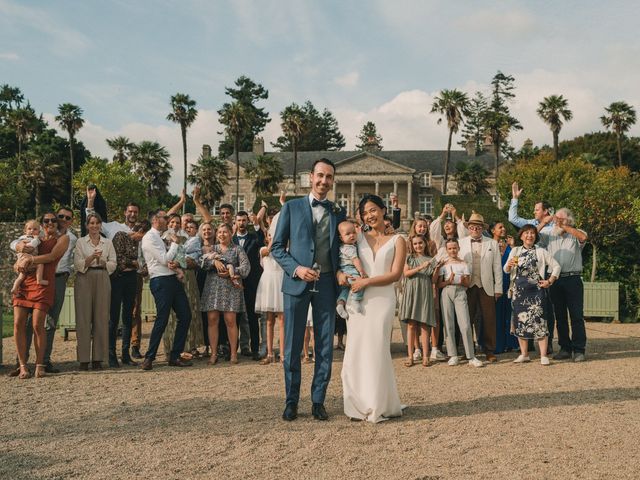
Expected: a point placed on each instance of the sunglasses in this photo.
(49, 220)
(64, 217)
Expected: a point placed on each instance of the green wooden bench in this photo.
(601, 299)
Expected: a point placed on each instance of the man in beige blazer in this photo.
(482, 254)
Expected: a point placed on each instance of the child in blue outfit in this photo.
(352, 266)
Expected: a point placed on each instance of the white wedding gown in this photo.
(368, 380)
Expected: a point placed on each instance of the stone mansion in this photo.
(415, 175)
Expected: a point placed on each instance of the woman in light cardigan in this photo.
(94, 259)
(527, 265)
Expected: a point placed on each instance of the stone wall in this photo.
(8, 232)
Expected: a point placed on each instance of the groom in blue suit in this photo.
(306, 234)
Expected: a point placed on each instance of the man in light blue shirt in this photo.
(540, 211)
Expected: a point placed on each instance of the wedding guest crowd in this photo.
(218, 289)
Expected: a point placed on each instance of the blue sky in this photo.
(365, 60)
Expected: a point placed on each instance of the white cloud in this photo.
(63, 40)
(503, 24)
(9, 56)
(348, 80)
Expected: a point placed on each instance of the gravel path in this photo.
(504, 421)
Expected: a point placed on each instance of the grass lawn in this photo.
(7, 324)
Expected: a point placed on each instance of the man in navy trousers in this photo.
(307, 234)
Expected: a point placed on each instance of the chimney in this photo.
(470, 147)
(258, 146)
(206, 151)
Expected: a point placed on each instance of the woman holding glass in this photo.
(94, 260)
(527, 265)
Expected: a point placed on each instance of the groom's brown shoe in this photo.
(318, 411)
(290, 412)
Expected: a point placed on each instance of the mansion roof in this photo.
(412, 160)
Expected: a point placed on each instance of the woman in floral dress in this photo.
(527, 265)
(220, 296)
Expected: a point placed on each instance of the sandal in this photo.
(426, 362)
(267, 360)
(24, 372)
(40, 371)
(408, 362)
(213, 360)
(234, 359)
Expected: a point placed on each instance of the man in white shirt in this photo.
(168, 292)
(482, 254)
(63, 270)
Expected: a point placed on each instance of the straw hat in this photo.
(477, 219)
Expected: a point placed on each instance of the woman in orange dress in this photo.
(38, 299)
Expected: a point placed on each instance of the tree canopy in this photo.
(320, 131)
(247, 93)
(369, 138)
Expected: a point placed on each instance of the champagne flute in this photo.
(315, 267)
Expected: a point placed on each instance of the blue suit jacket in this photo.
(293, 242)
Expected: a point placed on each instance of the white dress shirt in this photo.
(65, 265)
(156, 254)
(318, 211)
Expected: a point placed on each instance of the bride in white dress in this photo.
(368, 379)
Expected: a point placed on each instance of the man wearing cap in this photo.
(482, 254)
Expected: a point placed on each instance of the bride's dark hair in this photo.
(375, 199)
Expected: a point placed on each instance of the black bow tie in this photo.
(322, 203)
(473, 240)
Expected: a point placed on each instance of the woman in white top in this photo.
(455, 276)
(94, 260)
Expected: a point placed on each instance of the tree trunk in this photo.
(71, 177)
(619, 142)
(236, 147)
(594, 262)
(183, 129)
(37, 198)
(556, 150)
(497, 147)
(446, 164)
(295, 166)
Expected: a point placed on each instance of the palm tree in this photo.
(236, 119)
(293, 126)
(471, 178)
(210, 174)
(122, 146)
(38, 169)
(553, 110)
(151, 163)
(621, 118)
(184, 113)
(266, 174)
(70, 119)
(25, 123)
(454, 106)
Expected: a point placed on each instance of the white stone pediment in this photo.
(367, 162)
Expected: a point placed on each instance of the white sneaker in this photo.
(437, 355)
(474, 362)
(417, 355)
(453, 361)
(523, 359)
(342, 311)
(544, 361)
